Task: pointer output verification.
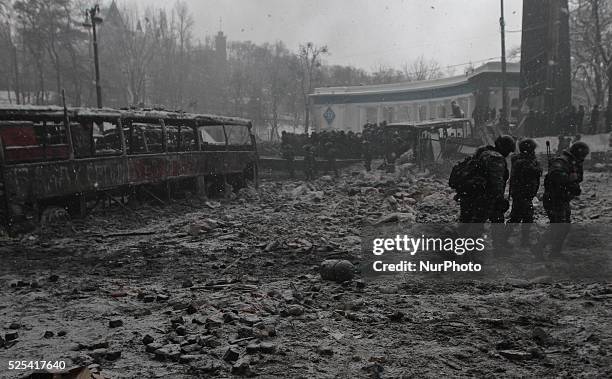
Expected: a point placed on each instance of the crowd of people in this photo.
(569, 121)
(330, 146)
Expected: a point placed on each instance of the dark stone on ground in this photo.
(115, 323)
(152, 347)
(113, 355)
(147, 339)
(231, 355)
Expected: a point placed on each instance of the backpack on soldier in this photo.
(467, 177)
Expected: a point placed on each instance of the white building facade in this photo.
(350, 108)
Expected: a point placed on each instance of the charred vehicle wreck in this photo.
(110, 154)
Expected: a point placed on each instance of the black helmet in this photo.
(580, 150)
(527, 145)
(505, 145)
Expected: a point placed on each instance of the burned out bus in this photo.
(431, 141)
(52, 155)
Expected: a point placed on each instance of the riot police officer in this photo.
(366, 151)
(492, 204)
(561, 185)
(289, 155)
(309, 162)
(524, 183)
(331, 153)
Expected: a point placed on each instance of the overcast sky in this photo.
(364, 33)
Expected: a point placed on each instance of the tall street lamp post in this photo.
(502, 24)
(92, 19)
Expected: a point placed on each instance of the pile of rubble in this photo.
(266, 285)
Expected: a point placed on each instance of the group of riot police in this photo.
(481, 192)
(330, 146)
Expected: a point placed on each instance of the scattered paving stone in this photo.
(295, 310)
(187, 283)
(515, 354)
(14, 326)
(197, 321)
(337, 270)
(177, 320)
(53, 278)
(48, 334)
(186, 358)
(229, 317)
(541, 337)
(245, 332)
(168, 352)
(250, 320)
(242, 368)
(162, 297)
(268, 347)
(61, 333)
(325, 350)
(207, 340)
(252, 348)
(98, 354)
(147, 339)
(191, 309)
(397, 316)
(115, 323)
(204, 367)
(11, 336)
(98, 345)
(188, 349)
(148, 298)
(113, 355)
(213, 322)
(152, 347)
(388, 289)
(231, 355)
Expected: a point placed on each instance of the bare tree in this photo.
(184, 27)
(591, 25)
(385, 74)
(309, 58)
(514, 54)
(422, 69)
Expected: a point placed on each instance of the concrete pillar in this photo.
(379, 114)
(468, 111)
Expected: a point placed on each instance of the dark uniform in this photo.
(561, 185)
(524, 185)
(289, 155)
(366, 151)
(331, 152)
(490, 204)
(309, 162)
